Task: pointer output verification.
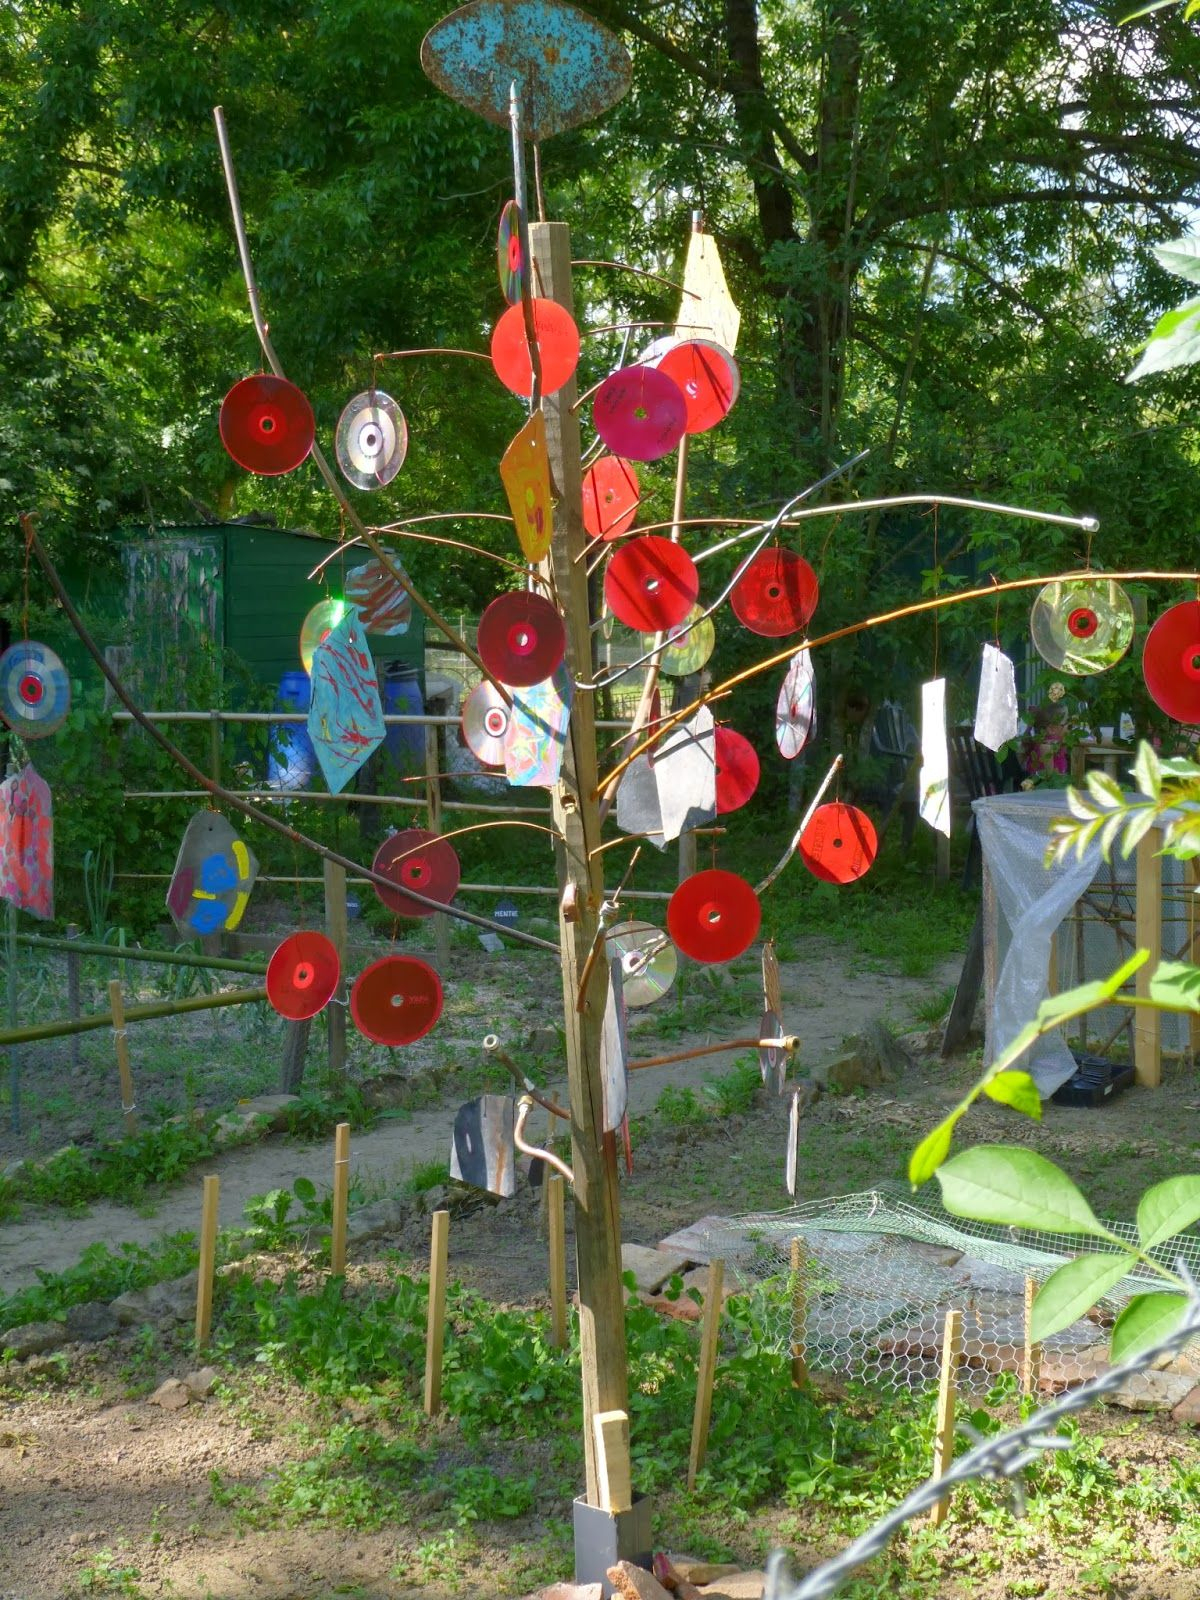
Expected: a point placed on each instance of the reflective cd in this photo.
(302, 975)
(485, 723)
(415, 859)
(713, 915)
(1171, 662)
(521, 638)
(316, 628)
(371, 440)
(396, 1000)
(1082, 625)
(267, 425)
(557, 341)
(35, 692)
(775, 593)
(687, 646)
(708, 378)
(796, 707)
(651, 584)
(772, 1058)
(737, 770)
(383, 604)
(648, 961)
(640, 412)
(839, 843)
(510, 262)
(611, 495)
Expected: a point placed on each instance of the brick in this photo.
(635, 1583)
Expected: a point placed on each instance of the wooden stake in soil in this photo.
(435, 1327)
(73, 990)
(341, 1197)
(943, 1439)
(335, 928)
(208, 1258)
(707, 1369)
(612, 1461)
(799, 1315)
(1031, 1356)
(558, 1263)
(116, 1001)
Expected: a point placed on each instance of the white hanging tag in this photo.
(996, 720)
(934, 781)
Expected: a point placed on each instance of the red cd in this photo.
(302, 975)
(713, 916)
(640, 413)
(267, 425)
(415, 859)
(708, 378)
(1171, 662)
(651, 584)
(611, 495)
(839, 843)
(737, 770)
(396, 1000)
(521, 638)
(558, 346)
(775, 593)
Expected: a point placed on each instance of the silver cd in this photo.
(372, 439)
(648, 961)
(485, 719)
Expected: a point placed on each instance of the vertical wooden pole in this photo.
(799, 1315)
(1052, 965)
(1191, 879)
(433, 803)
(335, 928)
(1147, 1022)
(558, 1260)
(576, 817)
(942, 858)
(612, 1461)
(208, 1258)
(295, 1053)
(341, 1196)
(14, 1061)
(435, 1322)
(1031, 1355)
(943, 1439)
(73, 991)
(707, 1369)
(116, 1002)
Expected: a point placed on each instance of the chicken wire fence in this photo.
(876, 1276)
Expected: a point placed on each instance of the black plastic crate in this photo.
(1095, 1081)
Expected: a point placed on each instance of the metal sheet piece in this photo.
(685, 770)
(614, 1050)
(214, 874)
(27, 843)
(483, 1152)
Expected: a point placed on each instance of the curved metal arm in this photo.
(524, 1107)
(492, 1045)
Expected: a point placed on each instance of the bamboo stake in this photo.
(707, 1369)
(435, 1327)
(208, 1258)
(147, 1013)
(73, 987)
(558, 1264)
(336, 925)
(116, 1002)
(799, 1315)
(341, 1197)
(943, 1439)
(1031, 1356)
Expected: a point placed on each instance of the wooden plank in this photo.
(1147, 1022)
(116, 1001)
(612, 1460)
(1031, 1355)
(966, 995)
(295, 1054)
(209, 1204)
(707, 1368)
(435, 1324)
(335, 928)
(943, 1437)
(799, 1315)
(341, 1197)
(555, 1208)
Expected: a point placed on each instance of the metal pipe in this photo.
(147, 1013)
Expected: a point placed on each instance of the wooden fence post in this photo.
(73, 991)
(335, 928)
(558, 1263)
(208, 1258)
(341, 1196)
(612, 1461)
(116, 1002)
(943, 1439)
(435, 1326)
(799, 1315)
(1031, 1355)
(707, 1369)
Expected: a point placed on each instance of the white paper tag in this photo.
(996, 720)
(934, 781)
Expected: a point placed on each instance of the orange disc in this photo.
(396, 1000)
(611, 496)
(416, 859)
(651, 584)
(267, 425)
(737, 770)
(775, 593)
(713, 916)
(1171, 662)
(839, 843)
(708, 379)
(302, 975)
(557, 341)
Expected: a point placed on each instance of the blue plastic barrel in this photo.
(402, 698)
(291, 759)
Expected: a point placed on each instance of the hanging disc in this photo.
(839, 843)
(708, 378)
(611, 495)
(557, 341)
(510, 262)
(775, 593)
(316, 628)
(713, 915)
(687, 646)
(267, 425)
(651, 584)
(396, 1000)
(1171, 662)
(1082, 625)
(485, 723)
(521, 638)
(35, 692)
(415, 859)
(648, 961)
(737, 770)
(371, 441)
(302, 975)
(795, 708)
(640, 413)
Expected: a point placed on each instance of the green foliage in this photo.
(124, 1171)
(1019, 1187)
(318, 1112)
(1146, 1318)
(99, 1274)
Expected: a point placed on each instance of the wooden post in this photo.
(208, 1258)
(707, 1368)
(1052, 965)
(435, 1323)
(1147, 1022)
(558, 1260)
(341, 1196)
(295, 1053)
(1191, 878)
(335, 928)
(799, 1315)
(612, 1461)
(1031, 1355)
(116, 1001)
(942, 858)
(73, 991)
(575, 814)
(433, 801)
(943, 1439)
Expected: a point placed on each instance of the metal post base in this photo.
(602, 1539)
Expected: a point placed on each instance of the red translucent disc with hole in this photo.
(640, 413)
(415, 859)
(839, 843)
(775, 593)
(737, 769)
(558, 345)
(707, 377)
(396, 1000)
(713, 916)
(1171, 662)
(611, 495)
(267, 425)
(651, 584)
(302, 975)
(521, 638)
